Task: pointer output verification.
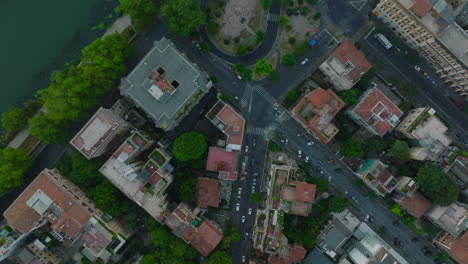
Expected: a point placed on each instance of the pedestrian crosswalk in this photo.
(260, 131)
(244, 101)
(273, 17)
(265, 94)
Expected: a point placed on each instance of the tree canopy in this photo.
(14, 119)
(288, 60)
(350, 96)
(337, 204)
(376, 143)
(48, 130)
(257, 197)
(435, 185)
(141, 12)
(261, 66)
(351, 148)
(13, 165)
(182, 16)
(244, 72)
(189, 146)
(220, 257)
(399, 150)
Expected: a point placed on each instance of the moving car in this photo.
(310, 143)
(237, 207)
(304, 61)
(299, 153)
(250, 211)
(307, 159)
(243, 219)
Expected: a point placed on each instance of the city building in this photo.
(204, 235)
(165, 85)
(142, 179)
(295, 254)
(36, 252)
(345, 66)
(207, 193)
(231, 123)
(428, 26)
(426, 132)
(375, 113)
(53, 203)
(452, 218)
(347, 240)
(458, 171)
(99, 133)
(461, 13)
(285, 195)
(455, 247)
(316, 111)
(409, 198)
(376, 176)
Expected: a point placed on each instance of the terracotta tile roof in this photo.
(376, 110)
(421, 7)
(305, 192)
(234, 124)
(417, 205)
(347, 52)
(459, 250)
(319, 97)
(208, 237)
(155, 178)
(23, 218)
(222, 161)
(207, 193)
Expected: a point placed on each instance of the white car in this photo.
(243, 259)
(246, 149)
(239, 77)
(243, 219)
(307, 159)
(367, 218)
(250, 211)
(237, 207)
(329, 178)
(299, 153)
(304, 61)
(239, 191)
(417, 68)
(286, 141)
(310, 143)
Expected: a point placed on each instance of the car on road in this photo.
(368, 218)
(310, 143)
(246, 235)
(246, 149)
(299, 153)
(329, 179)
(243, 259)
(250, 211)
(286, 141)
(307, 159)
(304, 61)
(243, 219)
(237, 207)
(239, 191)
(417, 68)
(462, 138)
(239, 77)
(283, 139)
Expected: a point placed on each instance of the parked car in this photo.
(286, 141)
(250, 211)
(310, 143)
(243, 219)
(299, 153)
(304, 61)
(237, 207)
(307, 159)
(239, 191)
(417, 68)
(246, 149)
(243, 259)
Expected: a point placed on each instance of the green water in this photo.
(39, 37)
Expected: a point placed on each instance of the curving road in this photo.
(260, 52)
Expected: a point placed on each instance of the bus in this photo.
(383, 40)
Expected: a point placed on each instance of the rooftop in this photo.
(230, 122)
(44, 198)
(316, 111)
(207, 238)
(417, 205)
(456, 40)
(421, 7)
(456, 246)
(452, 218)
(164, 83)
(377, 111)
(305, 192)
(97, 132)
(352, 59)
(207, 193)
(223, 161)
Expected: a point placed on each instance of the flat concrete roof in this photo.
(454, 38)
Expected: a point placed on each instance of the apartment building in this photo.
(376, 176)
(455, 247)
(165, 85)
(452, 218)
(427, 133)
(428, 26)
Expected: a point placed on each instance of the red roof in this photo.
(417, 205)
(347, 52)
(376, 110)
(208, 237)
(421, 7)
(222, 161)
(460, 249)
(155, 178)
(319, 97)
(24, 218)
(208, 193)
(305, 192)
(295, 255)
(234, 124)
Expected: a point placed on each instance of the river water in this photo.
(39, 37)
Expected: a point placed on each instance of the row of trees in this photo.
(13, 164)
(78, 88)
(140, 11)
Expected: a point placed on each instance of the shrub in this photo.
(317, 16)
(292, 40)
(236, 40)
(227, 41)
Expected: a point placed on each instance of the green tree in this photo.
(182, 16)
(301, 49)
(267, 3)
(292, 95)
(410, 88)
(47, 129)
(261, 66)
(184, 185)
(435, 185)
(376, 143)
(141, 12)
(84, 172)
(104, 196)
(260, 36)
(283, 21)
(350, 96)
(337, 204)
(399, 150)
(288, 60)
(13, 165)
(257, 197)
(220, 257)
(244, 72)
(189, 146)
(14, 119)
(351, 148)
